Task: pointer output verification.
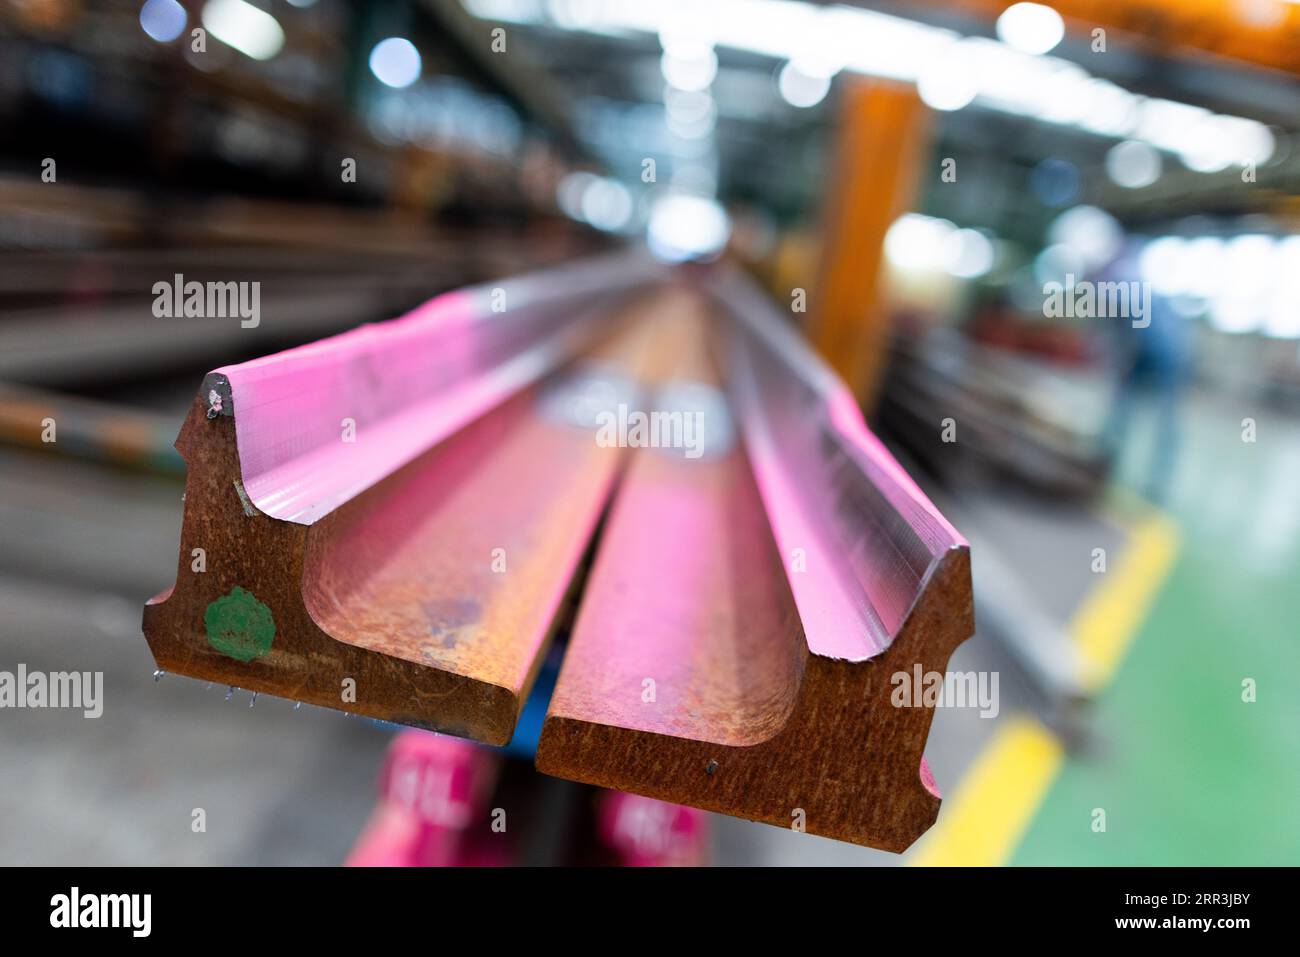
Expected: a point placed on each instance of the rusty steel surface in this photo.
(429, 597)
(865, 536)
(757, 581)
(406, 384)
(735, 645)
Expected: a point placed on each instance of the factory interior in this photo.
(1051, 250)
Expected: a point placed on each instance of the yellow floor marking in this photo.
(983, 822)
(1104, 626)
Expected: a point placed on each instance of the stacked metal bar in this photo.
(390, 521)
(387, 522)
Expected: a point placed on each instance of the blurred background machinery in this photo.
(936, 192)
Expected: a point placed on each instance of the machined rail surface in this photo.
(410, 564)
(753, 594)
(748, 610)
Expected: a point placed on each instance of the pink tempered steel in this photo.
(747, 609)
(830, 488)
(404, 507)
(407, 383)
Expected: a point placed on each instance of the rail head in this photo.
(859, 539)
(421, 567)
(318, 424)
(747, 613)
(770, 587)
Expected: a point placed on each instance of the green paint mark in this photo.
(239, 625)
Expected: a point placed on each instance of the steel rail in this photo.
(413, 574)
(754, 596)
(747, 614)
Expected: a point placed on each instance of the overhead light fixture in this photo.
(1030, 27)
(918, 243)
(1133, 164)
(569, 193)
(1162, 263)
(801, 89)
(395, 62)
(1091, 232)
(253, 32)
(969, 253)
(692, 73)
(1012, 75)
(690, 116)
(163, 20)
(606, 204)
(1283, 321)
(915, 243)
(947, 83)
(685, 227)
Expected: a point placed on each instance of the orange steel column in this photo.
(882, 139)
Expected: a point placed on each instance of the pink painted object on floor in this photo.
(644, 832)
(433, 791)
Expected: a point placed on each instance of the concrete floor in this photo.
(277, 786)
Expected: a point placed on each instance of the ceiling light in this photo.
(1030, 27)
(253, 32)
(1133, 164)
(395, 62)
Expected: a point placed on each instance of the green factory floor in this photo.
(1185, 770)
